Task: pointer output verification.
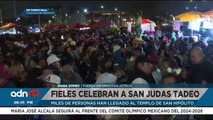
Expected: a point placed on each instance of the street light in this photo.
(17, 19)
(49, 21)
(116, 9)
(85, 10)
(102, 6)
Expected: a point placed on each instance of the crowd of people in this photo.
(100, 57)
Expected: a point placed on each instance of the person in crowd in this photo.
(70, 55)
(184, 53)
(166, 64)
(5, 74)
(119, 55)
(144, 66)
(173, 39)
(69, 76)
(105, 74)
(138, 51)
(101, 57)
(130, 59)
(201, 69)
(51, 81)
(210, 52)
(173, 53)
(169, 78)
(54, 62)
(162, 52)
(18, 74)
(137, 43)
(157, 75)
(83, 65)
(29, 62)
(35, 72)
(95, 55)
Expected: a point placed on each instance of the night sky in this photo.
(150, 8)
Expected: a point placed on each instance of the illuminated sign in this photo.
(176, 26)
(207, 25)
(38, 12)
(195, 25)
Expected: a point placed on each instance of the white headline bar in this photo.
(106, 110)
(125, 94)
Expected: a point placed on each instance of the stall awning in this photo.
(189, 16)
(7, 26)
(208, 14)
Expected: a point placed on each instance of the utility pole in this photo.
(14, 7)
(60, 16)
(1, 16)
(39, 19)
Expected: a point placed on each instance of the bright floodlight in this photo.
(85, 10)
(102, 6)
(116, 9)
(17, 19)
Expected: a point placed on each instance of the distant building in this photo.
(1, 20)
(77, 17)
(114, 17)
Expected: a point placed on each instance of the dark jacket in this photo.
(201, 72)
(120, 59)
(55, 70)
(140, 74)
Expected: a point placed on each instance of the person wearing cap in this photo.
(137, 42)
(144, 66)
(142, 74)
(69, 76)
(51, 81)
(53, 63)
